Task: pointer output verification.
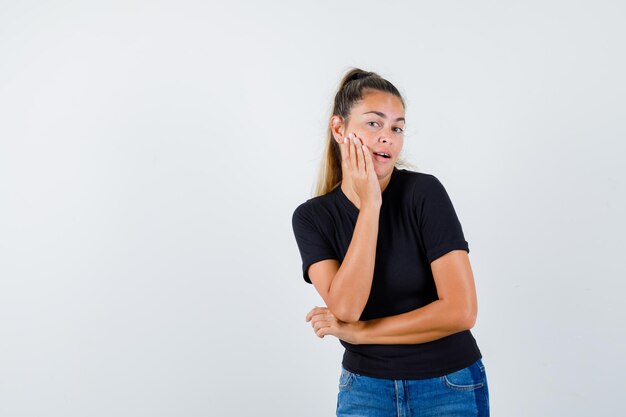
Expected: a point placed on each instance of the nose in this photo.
(385, 138)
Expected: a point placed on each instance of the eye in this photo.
(400, 130)
(372, 122)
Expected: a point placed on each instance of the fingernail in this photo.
(345, 140)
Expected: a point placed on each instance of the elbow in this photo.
(345, 311)
(461, 315)
(348, 314)
(467, 319)
(349, 317)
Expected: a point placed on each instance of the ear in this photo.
(337, 128)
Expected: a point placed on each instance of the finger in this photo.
(323, 318)
(320, 324)
(369, 162)
(317, 311)
(324, 330)
(353, 153)
(310, 313)
(360, 157)
(316, 317)
(348, 148)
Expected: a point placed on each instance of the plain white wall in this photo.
(152, 153)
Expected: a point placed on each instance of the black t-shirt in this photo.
(417, 225)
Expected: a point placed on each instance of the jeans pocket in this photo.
(466, 379)
(345, 379)
(481, 366)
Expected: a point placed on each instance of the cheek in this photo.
(367, 138)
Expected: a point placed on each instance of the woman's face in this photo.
(378, 121)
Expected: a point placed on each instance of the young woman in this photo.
(384, 248)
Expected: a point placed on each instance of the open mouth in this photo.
(381, 156)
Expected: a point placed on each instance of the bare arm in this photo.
(346, 288)
(454, 311)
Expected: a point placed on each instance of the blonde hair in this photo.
(350, 90)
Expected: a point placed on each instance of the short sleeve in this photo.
(439, 225)
(313, 245)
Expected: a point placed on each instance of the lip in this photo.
(381, 158)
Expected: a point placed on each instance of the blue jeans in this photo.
(463, 393)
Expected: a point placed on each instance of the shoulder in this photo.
(415, 176)
(428, 195)
(421, 183)
(311, 209)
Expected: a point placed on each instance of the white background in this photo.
(152, 154)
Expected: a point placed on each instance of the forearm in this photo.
(350, 288)
(431, 322)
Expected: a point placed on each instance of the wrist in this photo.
(371, 207)
(359, 332)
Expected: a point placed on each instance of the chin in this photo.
(384, 171)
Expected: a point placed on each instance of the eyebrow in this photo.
(381, 114)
